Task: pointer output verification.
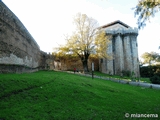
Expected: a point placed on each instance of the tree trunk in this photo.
(85, 65)
(84, 60)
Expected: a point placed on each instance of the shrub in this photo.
(155, 79)
(132, 75)
(148, 71)
(126, 73)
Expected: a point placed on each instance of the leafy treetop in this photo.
(146, 9)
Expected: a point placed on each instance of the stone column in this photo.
(102, 63)
(135, 67)
(109, 66)
(119, 58)
(127, 53)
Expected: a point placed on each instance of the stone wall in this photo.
(8, 68)
(70, 64)
(46, 61)
(17, 46)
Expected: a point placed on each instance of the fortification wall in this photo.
(17, 46)
(123, 48)
(74, 62)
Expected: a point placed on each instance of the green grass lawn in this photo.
(49, 95)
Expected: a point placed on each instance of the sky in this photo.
(48, 21)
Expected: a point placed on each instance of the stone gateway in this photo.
(123, 48)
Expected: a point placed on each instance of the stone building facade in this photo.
(123, 48)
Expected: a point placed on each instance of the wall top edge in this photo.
(7, 13)
(122, 31)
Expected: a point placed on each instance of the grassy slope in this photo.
(56, 95)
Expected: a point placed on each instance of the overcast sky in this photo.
(49, 20)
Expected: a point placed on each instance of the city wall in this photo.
(19, 52)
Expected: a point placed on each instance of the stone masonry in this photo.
(17, 46)
(123, 49)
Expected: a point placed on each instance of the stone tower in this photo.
(123, 48)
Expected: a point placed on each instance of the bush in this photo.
(148, 71)
(155, 79)
(126, 73)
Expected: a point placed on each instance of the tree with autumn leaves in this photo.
(150, 58)
(86, 40)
